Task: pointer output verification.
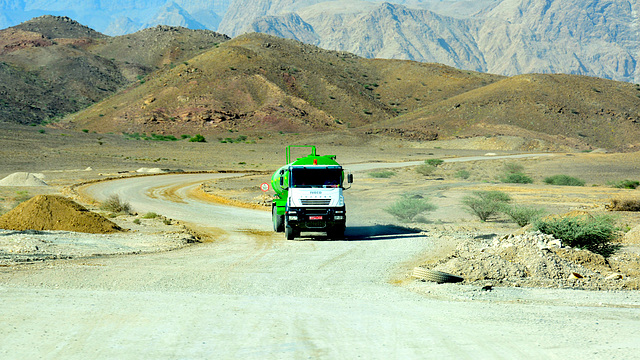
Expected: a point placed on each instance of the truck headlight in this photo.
(341, 200)
(339, 217)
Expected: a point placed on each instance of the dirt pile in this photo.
(52, 212)
(632, 236)
(535, 260)
(23, 179)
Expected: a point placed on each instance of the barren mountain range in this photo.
(173, 81)
(506, 37)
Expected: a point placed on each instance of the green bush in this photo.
(434, 162)
(382, 174)
(485, 204)
(516, 178)
(564, 180)
(593, 233)
(523, 215)
(409, 206)
(150, 215)
(136, 221)
(625, 184)
(197, 138)
(462, 174)
(115, 205)
(425, 169)
(156, 137)
(185, 136)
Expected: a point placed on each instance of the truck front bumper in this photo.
(316, 218)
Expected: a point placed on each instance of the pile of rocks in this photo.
(532, 259)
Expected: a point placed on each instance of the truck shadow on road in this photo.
(380, 232)
(369, 233)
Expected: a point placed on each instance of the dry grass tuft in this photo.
(627, 204)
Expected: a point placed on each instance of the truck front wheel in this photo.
(290, 232)
(278, 220)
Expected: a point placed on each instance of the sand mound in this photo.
(532, 259)
(152, 170)
(51, 212)
(23, 179)
(633, 236)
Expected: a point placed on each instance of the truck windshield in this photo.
(305, 177)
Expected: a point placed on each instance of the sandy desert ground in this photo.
(360, 289)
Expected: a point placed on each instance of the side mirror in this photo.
(350, 178)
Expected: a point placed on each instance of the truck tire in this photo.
(436, 276)
(278, 220)
(290, 233)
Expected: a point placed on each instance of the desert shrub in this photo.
(625, 184)
(197, 138)
(516, 178)
(523, 215)
(409, 206)
(514, 174)
(564, 180)
(382, 174)
(593, 233)
(167, 221)
(434, 162)
(462, 174)
(22, 196)
(150, 215)
(624, 205)
(485, 204)
(185, 136)
(115, 205)
(157, 137)
(136, 221)
(425, 169)
(513, 168)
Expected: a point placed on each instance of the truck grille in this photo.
(315, 202)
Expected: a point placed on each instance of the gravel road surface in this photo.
(250, 294)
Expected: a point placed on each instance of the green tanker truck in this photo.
(309, 195)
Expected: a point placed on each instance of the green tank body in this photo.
(283, 172)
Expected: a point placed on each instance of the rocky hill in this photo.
(261, 84)
(561, 109)
(51, 66)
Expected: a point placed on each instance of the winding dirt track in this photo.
(249, 294)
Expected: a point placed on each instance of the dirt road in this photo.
(249, 294)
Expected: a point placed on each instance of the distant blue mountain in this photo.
(107, 16)
(507, 37)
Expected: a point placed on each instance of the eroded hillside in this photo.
(262, 82)
(52, 66)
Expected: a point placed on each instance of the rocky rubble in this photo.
(533, 259)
